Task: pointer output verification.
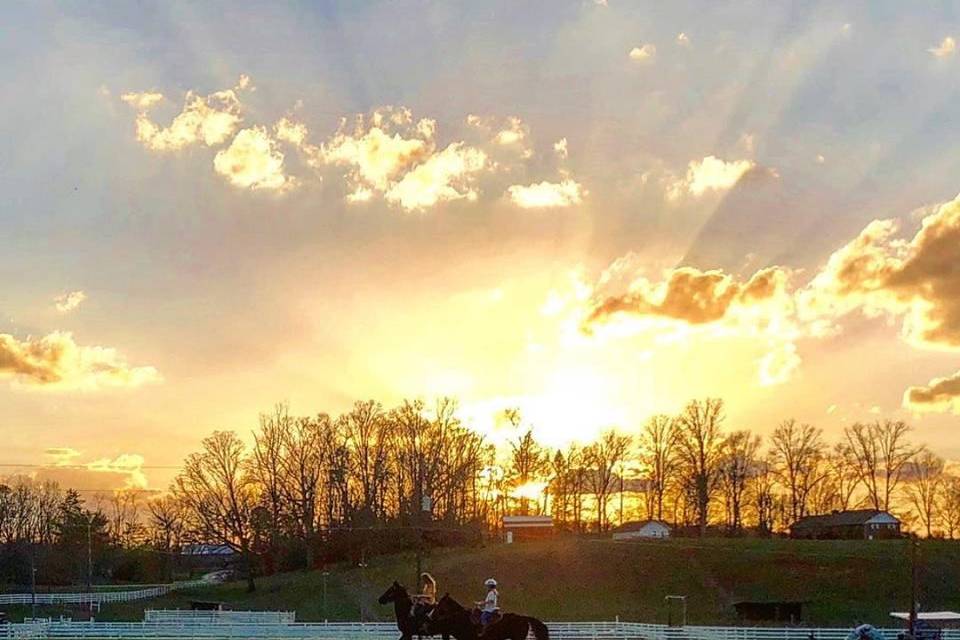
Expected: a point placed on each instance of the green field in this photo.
(841, 582)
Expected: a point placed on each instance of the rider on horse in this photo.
(424, 601)
(490, 605)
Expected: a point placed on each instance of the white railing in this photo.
(225, 630)
(189, 616)
(96, 597)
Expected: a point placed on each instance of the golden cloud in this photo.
(514, 133)
(444, 176)
(390, 154)
(127, 465)
(547, 194)
(290, 131)
(917, 278)
(940, 395)
(209, 120)
(67, 302)
(511, 132)
(252, 161)
(709, 174)
(947, 47)
(380, 148)
(385, 153)
(692, 296)
(877, 273)
(689, 302)
(140, 101)
(124, 471)
(560, 148)
(779, 364)
(56, 361)
(62, 455)
(643, 53)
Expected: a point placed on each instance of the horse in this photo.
(458, 621)
(402, 608)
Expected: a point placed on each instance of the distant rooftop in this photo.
(840, 518)
(929, 616)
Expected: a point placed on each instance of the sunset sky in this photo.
(593, 211)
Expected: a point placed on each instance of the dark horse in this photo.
(402, 608)
(459, 622)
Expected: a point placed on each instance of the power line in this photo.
(88, 467)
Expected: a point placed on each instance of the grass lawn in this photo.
(840, 582)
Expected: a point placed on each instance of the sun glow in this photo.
(530, 491)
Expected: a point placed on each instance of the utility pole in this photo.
(89, 564)
(89, 554)
(426, 505)
(33, 583)
(621, 492)
(325, 574)
(914, 544)
(363, 585)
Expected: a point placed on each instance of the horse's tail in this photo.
(540, 630)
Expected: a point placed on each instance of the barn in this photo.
(642, 529)
(523, 528)
(858, 524)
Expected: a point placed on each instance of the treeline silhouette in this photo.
(304, 491)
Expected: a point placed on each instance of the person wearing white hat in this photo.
(490, 605)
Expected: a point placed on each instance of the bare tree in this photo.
(528, 462)
(576, 483)
(880, 452)
(763, 494)
(126, 527)
(220, 496)
(699, 449)
(925, 487)
(843, 475)
(659, 460)
(167, 529)
(559, 487)
(304, 464)
(950, 506)
(371, 440)
(266, 465)
(798, 454)
(738, 463)
(601, 458)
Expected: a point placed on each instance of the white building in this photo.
(643, 529)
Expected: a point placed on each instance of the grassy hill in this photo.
(587, 579)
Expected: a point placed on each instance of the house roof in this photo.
(840, 519)
(527, 521)
(929, 616)
(637, 525)
(206, 550)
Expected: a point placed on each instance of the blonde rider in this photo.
(424, 601)
(428, 590)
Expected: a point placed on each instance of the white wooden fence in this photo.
(224, 630)
(189, 616)
(96, 597)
